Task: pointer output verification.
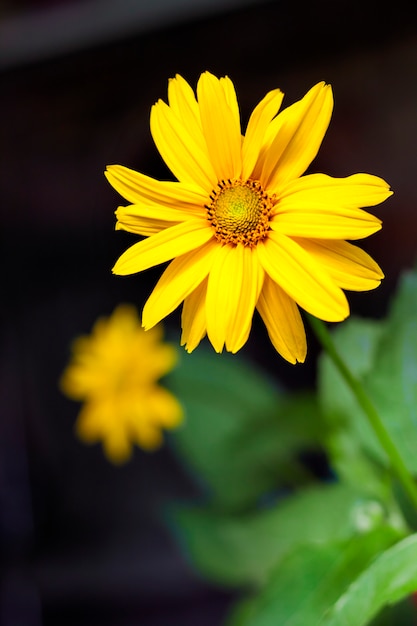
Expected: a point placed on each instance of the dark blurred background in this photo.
(84, 542)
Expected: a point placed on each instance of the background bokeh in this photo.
(83, 542)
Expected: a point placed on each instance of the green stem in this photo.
(371, 413)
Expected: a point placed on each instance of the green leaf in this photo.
(242, 435)
(241, 612)
(404, 304)
(393, 387)
(391, 577)
(347, 428)
(242, 549)
(311, 579)
(383, 356)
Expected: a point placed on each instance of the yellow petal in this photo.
(96, 422)
(320, 206)
(193, 319)
(150, 217)
(140, 225)
(234, 285)
(135, 187)
(118, 449)
(180, 151)
(255, 131)
(89, 422)
(301, 129)
(143, 227)
(349, 266)
(221, 126)
(183, 102)
(320, 221)
(231, 97)
(302, 278)
(358, 190)
(252, 280)
(182, 276)
(163, 246)
(283, 322)
(142, 428)
(161, 409)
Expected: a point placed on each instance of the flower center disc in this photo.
(239, 212)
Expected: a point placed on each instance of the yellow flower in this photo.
(245, 229)
(114, 371)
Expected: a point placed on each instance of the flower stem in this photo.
(371, 413)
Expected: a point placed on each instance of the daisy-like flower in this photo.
(115, 373)
(243, 228)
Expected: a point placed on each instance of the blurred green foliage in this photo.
(302, 550)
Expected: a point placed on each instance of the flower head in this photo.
(242, 227)
(114, 371)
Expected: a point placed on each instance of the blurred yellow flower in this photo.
(245, 229)
(114, 372)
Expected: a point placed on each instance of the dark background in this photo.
(84, 542)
